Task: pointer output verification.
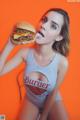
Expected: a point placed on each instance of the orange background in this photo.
(12, 11)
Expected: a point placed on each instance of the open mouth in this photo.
(41, 33)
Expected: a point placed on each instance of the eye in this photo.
(44, 19)
(54, 26)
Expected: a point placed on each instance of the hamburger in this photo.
(23, 33)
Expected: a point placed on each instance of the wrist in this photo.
(10, 44)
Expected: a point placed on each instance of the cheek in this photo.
(48, 39)
(50, 36)
(54, 34)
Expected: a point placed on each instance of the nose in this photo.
(44, 25)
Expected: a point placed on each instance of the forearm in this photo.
(4, 54)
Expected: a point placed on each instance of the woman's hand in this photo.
(10, 43)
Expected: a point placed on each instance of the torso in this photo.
(41, 62)
(40, 76)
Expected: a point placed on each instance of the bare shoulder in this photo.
(63, 63)
(24, 52)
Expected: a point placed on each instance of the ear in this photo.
(59, 38)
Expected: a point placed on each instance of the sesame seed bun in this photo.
(26, 26)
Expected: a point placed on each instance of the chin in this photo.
(39, 42)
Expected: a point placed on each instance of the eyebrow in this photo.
(51, 20)
(55, 23)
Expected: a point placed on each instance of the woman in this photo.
(47, 65)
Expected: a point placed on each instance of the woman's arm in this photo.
(60, 77)
(6, 66)
(4, 54)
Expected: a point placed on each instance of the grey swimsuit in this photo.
(50, 71)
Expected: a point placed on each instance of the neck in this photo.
(44, 50)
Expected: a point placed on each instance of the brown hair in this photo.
(63, 45)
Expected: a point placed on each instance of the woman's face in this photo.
(49, 28)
